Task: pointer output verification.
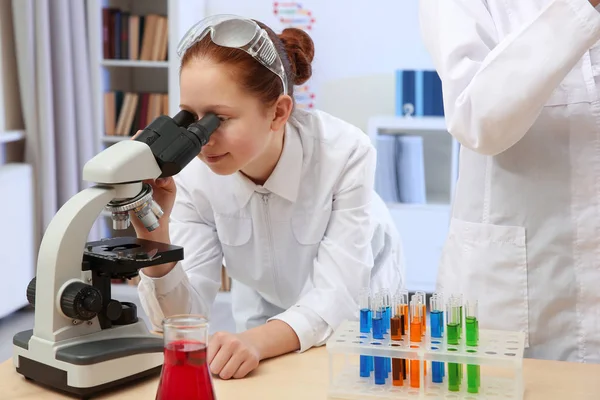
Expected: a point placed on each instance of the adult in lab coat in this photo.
(520, 81)
(284, 196)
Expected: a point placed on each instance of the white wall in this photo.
(358, 46)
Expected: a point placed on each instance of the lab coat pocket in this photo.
(233, 231)
(309, 226)
(489, 263)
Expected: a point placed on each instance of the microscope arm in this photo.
(120, 170)
(60, 257)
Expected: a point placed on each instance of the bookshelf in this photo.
(11, 136)
(423, 226)
(136, 78)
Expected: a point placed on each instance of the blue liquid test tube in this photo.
(436, 311)
(440, 296)
(387, 315)
(386, 304)
(364, 304)
(378, 311)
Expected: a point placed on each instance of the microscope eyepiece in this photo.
(184, 118)
(205, 127)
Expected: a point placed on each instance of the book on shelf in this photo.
(127, 112)
(128, 36)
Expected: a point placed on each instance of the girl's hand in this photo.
(230, 356)
(163, 193)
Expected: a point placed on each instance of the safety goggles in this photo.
(239, 33)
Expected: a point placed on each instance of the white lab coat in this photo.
(299, 248)
(521, 93)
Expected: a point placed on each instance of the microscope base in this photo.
(86, 369)
(57, 379)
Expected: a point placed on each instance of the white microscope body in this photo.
(82, 342)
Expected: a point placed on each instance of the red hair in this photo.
(295, 48)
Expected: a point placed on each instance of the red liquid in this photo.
(185, 374)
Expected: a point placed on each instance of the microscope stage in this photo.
(122, 257)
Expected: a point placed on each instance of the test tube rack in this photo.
(499, 355)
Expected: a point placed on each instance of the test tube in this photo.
(458, 298)
(452, 338)
(403, 304)
(436, 316)
(472, 339)
(436, 320)
(442, 303)
(440, 295)
(416, 318)
(397, 319)
(402, 297)
(364, 304)
(423, 299)
(396, 333)
(387, 306)
(377, 311)
(377, 317)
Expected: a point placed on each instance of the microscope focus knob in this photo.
(31, 292)
(81, 301)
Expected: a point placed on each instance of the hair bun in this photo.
(300, 50)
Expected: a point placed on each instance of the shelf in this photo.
(11, 136)
(432, 206)
(114, 139)
(135, 63)
(408, 125)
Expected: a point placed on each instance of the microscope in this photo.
(83, 341)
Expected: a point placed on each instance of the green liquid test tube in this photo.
(472, 333)
(452, 338)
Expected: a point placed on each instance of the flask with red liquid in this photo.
(185, 374)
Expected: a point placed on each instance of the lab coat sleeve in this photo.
(192, 285)
(495, 89)
(344, 260)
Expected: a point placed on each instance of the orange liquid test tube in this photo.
(414, 374)
(422, 298)
(397, 331)
(416, 315)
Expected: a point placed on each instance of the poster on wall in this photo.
(293, 14)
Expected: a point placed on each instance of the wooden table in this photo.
(306, 377)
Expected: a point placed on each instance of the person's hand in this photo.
(164, 191)
(230, 356)
(594, 3)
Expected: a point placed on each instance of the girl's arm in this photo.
(192, 284)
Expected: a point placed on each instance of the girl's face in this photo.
(247, 137)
